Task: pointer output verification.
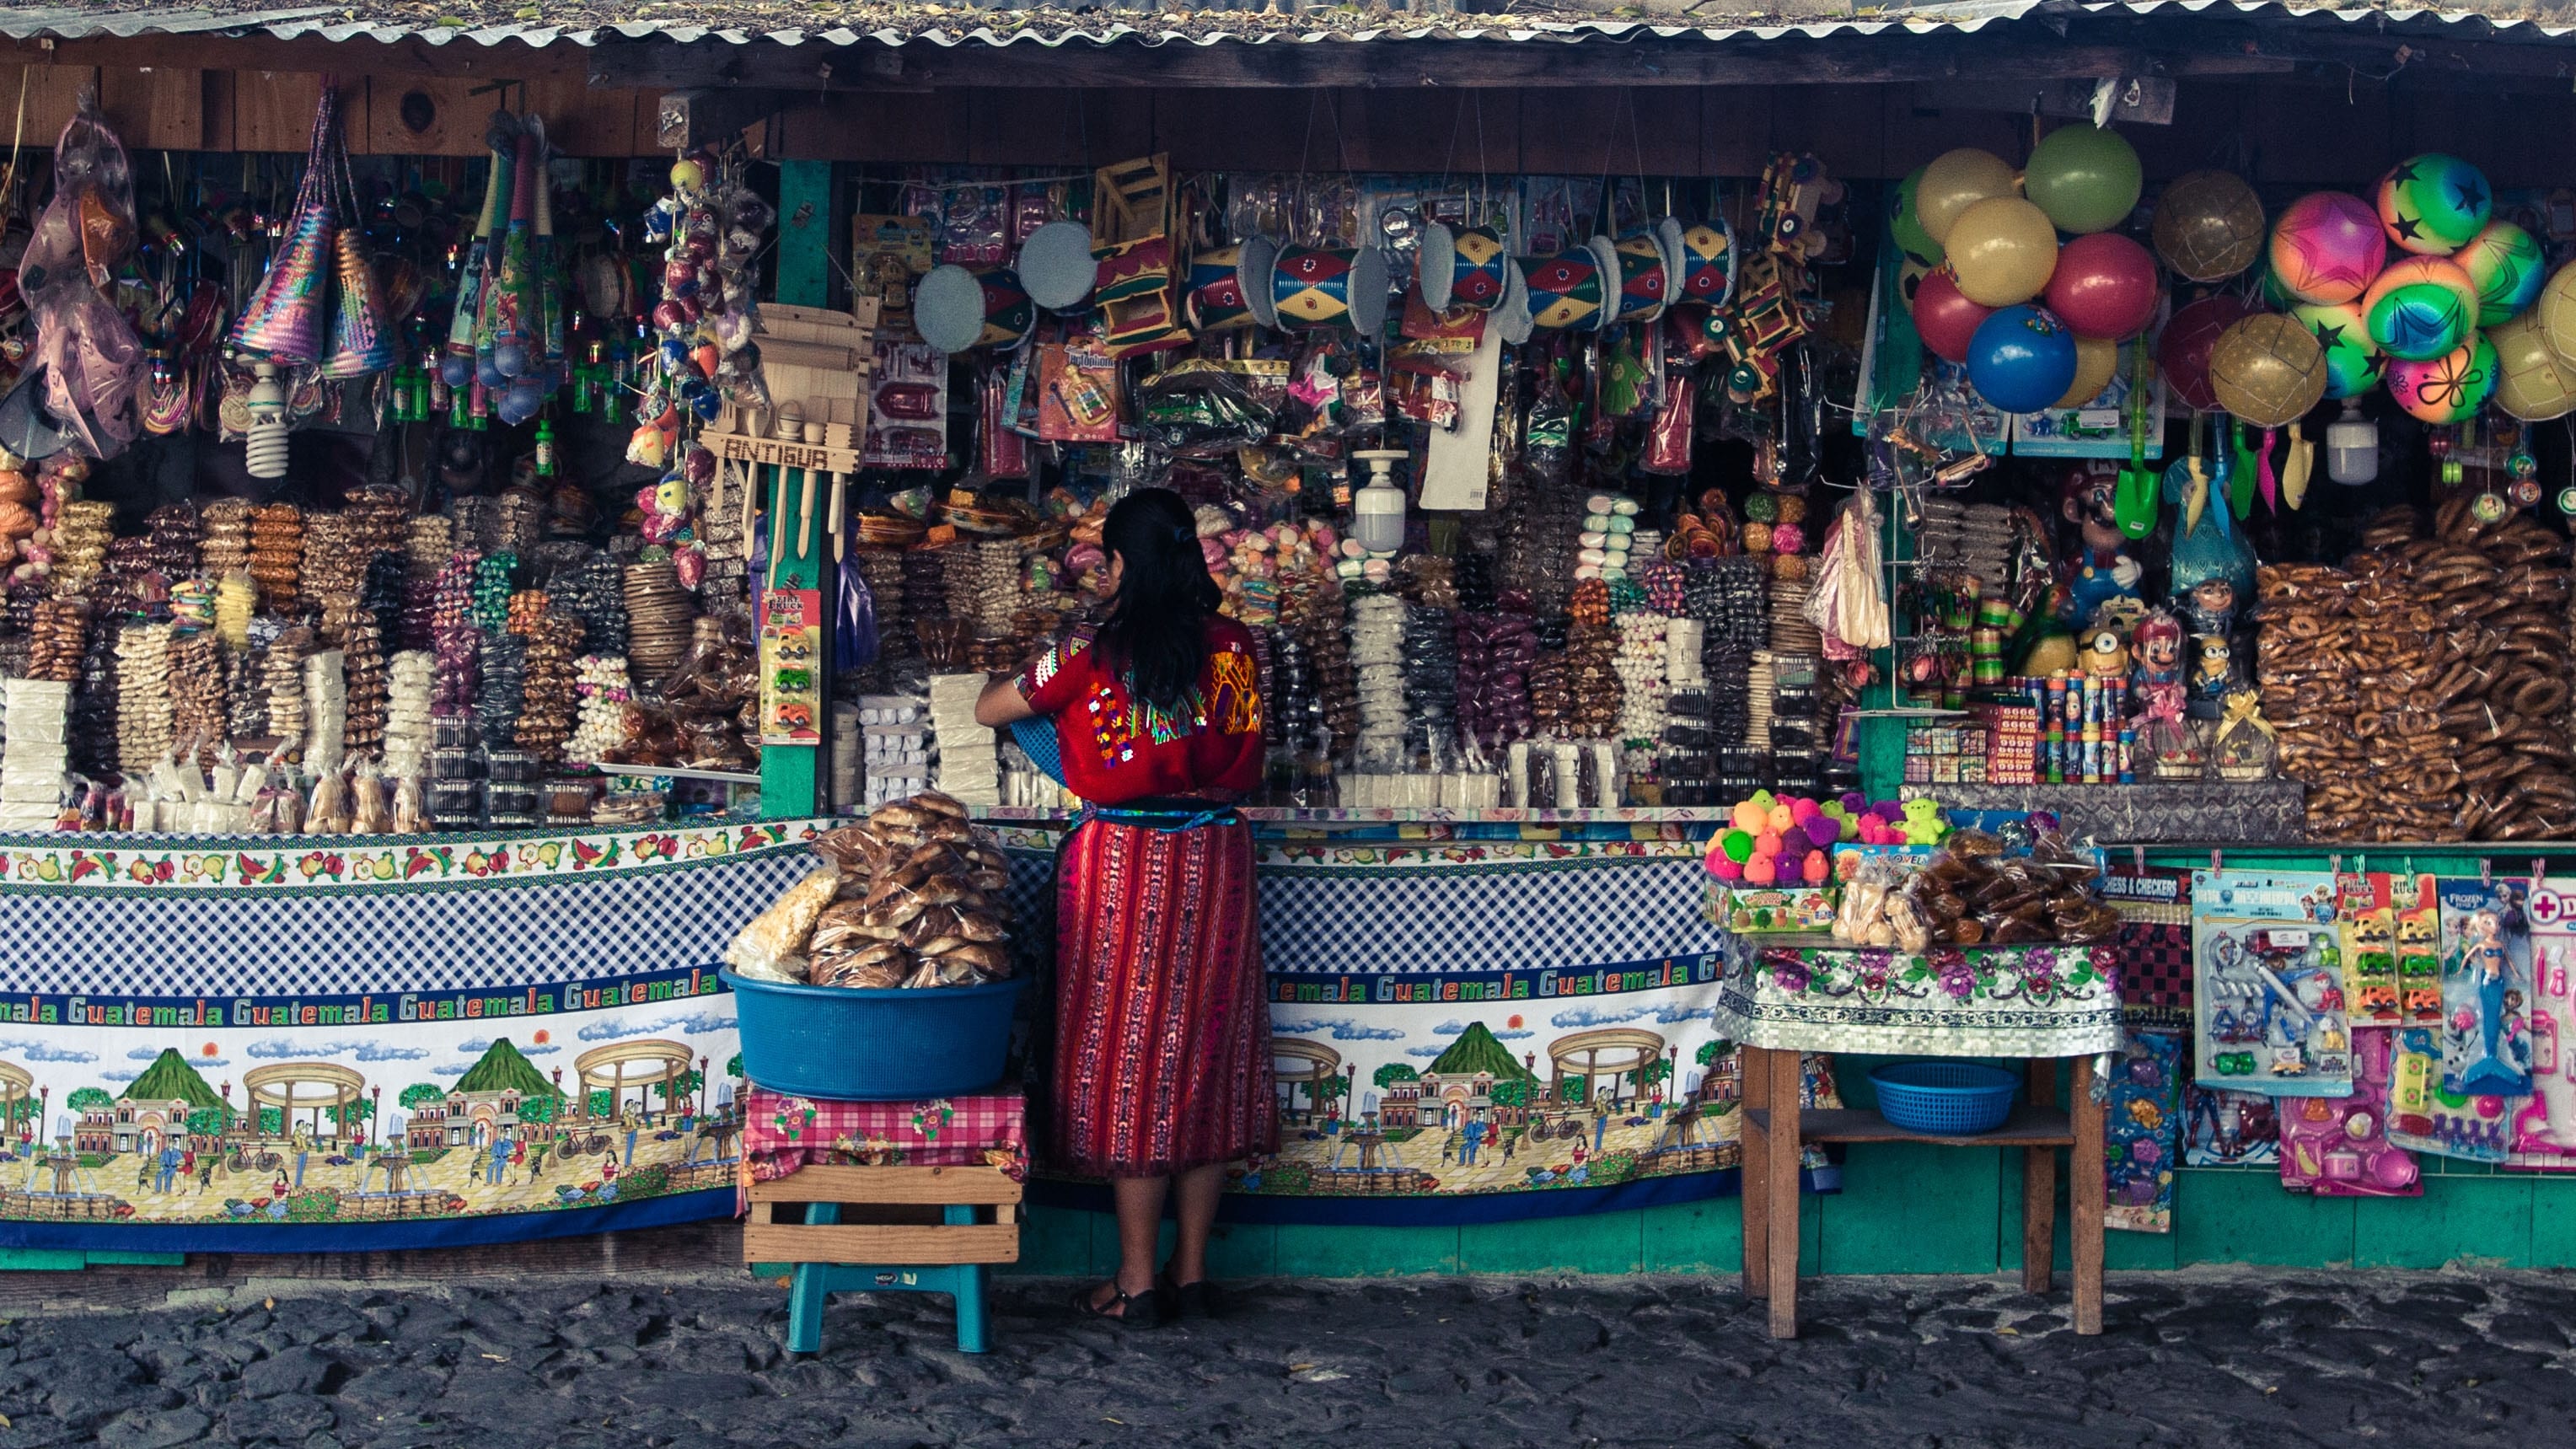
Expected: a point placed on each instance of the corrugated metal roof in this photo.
(843, 23)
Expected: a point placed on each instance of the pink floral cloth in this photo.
(783, 1133)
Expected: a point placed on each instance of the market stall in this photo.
(433, 550)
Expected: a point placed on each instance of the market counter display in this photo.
(372, 1043)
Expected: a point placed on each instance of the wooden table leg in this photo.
(2086, 1200)
(1753, 1197)
(2039, 1189)
(1787, 1074)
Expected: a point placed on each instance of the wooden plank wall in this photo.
(263, 110)
(2275, 132)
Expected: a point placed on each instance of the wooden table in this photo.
(1776, 1129)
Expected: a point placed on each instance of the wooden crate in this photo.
(887, 1215)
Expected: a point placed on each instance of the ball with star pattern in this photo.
(2353, 361)
(2432, 204)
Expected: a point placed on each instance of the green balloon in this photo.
(1907, 226)
(2086, 178)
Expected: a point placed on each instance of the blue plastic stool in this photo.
(816, 1281)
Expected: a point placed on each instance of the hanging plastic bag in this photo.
(1849, 603)
(93, 363)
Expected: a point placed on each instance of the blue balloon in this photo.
(2021, 359)
(456, 369)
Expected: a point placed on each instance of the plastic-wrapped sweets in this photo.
(1377, 661)
(1430, 680)
(1495, 655)
(1640, 664)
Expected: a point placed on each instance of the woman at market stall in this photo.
(1162, 1061)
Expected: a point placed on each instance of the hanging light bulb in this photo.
(268, 431)
(1377, 510)
(2352, 446)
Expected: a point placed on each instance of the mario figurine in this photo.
(2100, 570)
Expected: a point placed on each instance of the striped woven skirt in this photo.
(1162, 1035)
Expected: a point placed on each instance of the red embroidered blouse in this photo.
(1116, 748)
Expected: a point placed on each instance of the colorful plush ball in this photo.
(1750, 816)
(1795, 842)
(2421, 308)
(1803, 809)
(1824, 829)
(1816, 869)
(1761, 870)
(2353, 361)
(1788, 538)
(2446, 389)
(1736, 845)
(1725, 869)
(1767, 843)
(1757, 538)
(2327, 246)
(2432, 204)
(1853, 802)
(1781, 818)
(2507, 267)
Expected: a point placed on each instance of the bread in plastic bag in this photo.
(777, 937)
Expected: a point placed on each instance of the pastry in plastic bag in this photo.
(772, 947)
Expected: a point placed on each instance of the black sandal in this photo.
(1193, 1300)
(1141, 1310)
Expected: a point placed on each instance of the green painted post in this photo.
(804, 232)
(788, 773)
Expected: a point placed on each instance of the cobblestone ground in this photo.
(2450, 1360)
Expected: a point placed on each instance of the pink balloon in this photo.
(2328, 246)
(2183, 351)
(2104, 285)
(1945, 317)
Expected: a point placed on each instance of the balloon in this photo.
(2449, 388)
(2209, 225)
(2421, 308)
(2104, 285)
(2328, 246)
(2002, 250)
(2086, 178)
(2432, 204)
(2353, 361)
(2021, 359)
(1955, 181)
(1906, 224)
(2556, 314)
(2531, 384)
(2096, 358)
(2506, 266)
(2268, 370)
(1945, 319)
(1910, 272)
(2183, 351)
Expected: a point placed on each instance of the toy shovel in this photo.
(2133, 500)
(2241, 470)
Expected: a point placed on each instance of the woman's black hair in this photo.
(1156, 633)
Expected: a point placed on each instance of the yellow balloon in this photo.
(1955, 181)
(2003, 250)
(2096, 358)
(2556, 314)
(2531, 383)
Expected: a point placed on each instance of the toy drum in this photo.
(1215, 300)
(955, 309)
(1646, 275)
(1571, 289)
(1512, 318)
(1252, 273)
(1467, 267)
(1057, 267)
(1708, 263)
(1330, 287)
(1126, 271)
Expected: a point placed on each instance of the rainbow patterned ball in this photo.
(2432, 204)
